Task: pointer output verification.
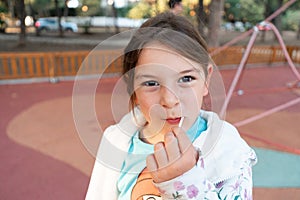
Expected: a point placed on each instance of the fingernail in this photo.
(169, 136)
(158, 146)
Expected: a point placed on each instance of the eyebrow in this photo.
(189, 70)
(139, 76)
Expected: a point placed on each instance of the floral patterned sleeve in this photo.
(239, 187)
(189, 187)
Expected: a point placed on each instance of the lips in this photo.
(173, 121)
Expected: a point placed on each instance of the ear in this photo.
(210, 70)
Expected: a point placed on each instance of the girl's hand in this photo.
(173, 157)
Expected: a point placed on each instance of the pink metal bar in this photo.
(274, 144)
(245, 57)
(230, 43)
(268, 112)
(239, 71)
(286, 54)
(280, 10)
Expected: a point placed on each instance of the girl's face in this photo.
(168, 87)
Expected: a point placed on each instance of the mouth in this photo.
(173, 121)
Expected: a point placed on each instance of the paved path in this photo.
(42, 156)
(69, 39)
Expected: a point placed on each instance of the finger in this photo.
(172, 148)
(160, 155)
(183, 140)
(151, 163)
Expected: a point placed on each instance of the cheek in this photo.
(145, 102)
(143, 99)
(192, 99)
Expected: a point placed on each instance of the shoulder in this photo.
(120, 134)
(116, 138)
(223, 139)
(218, 128)
(225, 150)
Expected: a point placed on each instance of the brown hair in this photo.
(174, 31)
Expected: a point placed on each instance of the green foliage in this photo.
(255, 11)
(245, 10)
(251, 11)
(93, 8)
(47, 7)
(291, 20)
(42, 4)
(143, 9)
(295, 6)
(3, 8)
(271, 5)
(122, 12)
(101, 12)
(162, 5)
(232, 9)
(43, 8)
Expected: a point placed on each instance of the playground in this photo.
(44, 157)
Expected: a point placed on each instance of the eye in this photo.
(150, 83)
(186, 79)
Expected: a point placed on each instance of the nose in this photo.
(168, 98)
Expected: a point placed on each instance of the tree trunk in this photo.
(66, 9)
(58, 13)
(298, 32)
(268, 12)
(214, 22)
(21, 16)
(278, 19)
(115, 15)
(11, 4)
(201, 19)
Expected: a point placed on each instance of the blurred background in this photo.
(213, 17)
(44, 43)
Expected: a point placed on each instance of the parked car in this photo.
(51, 24)
(239, 26)
(236, 26)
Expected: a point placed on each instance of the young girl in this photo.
(167, 147)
